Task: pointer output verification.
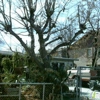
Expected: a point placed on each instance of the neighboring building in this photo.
(61, 52)
(6, 53)
(84, 50)
(61, 62)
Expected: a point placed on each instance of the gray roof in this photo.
(6, 53)
(64, 59)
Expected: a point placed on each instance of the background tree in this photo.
(92, 8)
(33, 18)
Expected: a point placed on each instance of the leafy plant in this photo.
(8, 77)
(6, 63)
(18, 60)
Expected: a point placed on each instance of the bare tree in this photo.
(41, 18)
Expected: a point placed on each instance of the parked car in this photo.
(83, 73)
(87, 93)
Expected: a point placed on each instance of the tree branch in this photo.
(54, 40)
(67, 43)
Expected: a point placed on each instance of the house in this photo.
(84, 49)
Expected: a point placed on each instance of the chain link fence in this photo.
(34, 91)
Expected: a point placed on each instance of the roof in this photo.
(87, 40)
(6, 53)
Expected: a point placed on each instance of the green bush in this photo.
(6, 63)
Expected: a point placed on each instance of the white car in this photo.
(88, 93)
(85, 73)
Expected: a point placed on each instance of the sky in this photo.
(12, 42)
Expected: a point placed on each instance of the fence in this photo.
(34, 91)
(40, 91)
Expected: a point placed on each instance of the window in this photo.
(58, 66)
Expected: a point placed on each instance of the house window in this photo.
(89, 52)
